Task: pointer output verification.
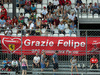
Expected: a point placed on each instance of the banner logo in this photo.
(11, 47)
(9, 43)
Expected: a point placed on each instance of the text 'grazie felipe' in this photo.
(60, 42)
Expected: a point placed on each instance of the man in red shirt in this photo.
(61, 2)
(94, 63)
(3, 13)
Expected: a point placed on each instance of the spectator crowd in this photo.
(56, 15)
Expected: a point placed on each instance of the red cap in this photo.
(2, 7)
(44, 7)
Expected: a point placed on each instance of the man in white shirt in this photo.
(36, 61)
(55, 3)
(14, 65)
(71, 16)
(44, 12)
(61, 28)
(31, 27)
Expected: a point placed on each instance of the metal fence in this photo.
(83, 58)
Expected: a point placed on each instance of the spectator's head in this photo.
(37, 54)
(72, 13)
(28, 4)
(2, 18)
(67, 4)
(74, 57)
(44, 18)
(90, 4)
(78, 4)
(44, 8)
(61, 22)
(8, 18)
(2, 7)
(14, 59)
(75, 18)
(24, 56)
(43, 52)
(95, 4)
(73, 23)
(94, 56)
(21, 14)
(6, 59)
(15, 17)
(49, 3)
(56, 52)
(33, 5)
(32, 13)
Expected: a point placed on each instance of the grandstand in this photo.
(69, 26)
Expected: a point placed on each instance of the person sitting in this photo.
(7, 64)
(44, 23)
(44, 12)
(36, 61)
(73, 62)
(61, 28)
(33, 8)
(3, 13)
(93, 63)
(14, 65)
(72, 28)
(27, 8)
(95, 9)
(21, 18)
(21, 3)
(38, 31)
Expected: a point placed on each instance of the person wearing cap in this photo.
(44, 12)
(33, 9)
(3, 13)
(93, 63)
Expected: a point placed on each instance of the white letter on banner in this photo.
(82, 44)
(27, 42)
(37, 43)
(59, 42)
(51, 43)
(76, 44)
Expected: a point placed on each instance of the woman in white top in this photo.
(24, 66)
(73, 62)
(14, 65)
(38, 22)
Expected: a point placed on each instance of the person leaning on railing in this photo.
(94, 63)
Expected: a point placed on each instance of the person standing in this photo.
(55, 61)
(24, 66)
(43, 61)
(73, 62)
